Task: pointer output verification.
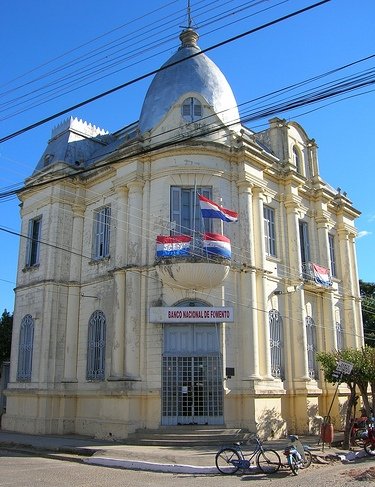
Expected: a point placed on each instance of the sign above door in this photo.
(164, 314)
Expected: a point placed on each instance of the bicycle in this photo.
(297, 455)
(230, 459)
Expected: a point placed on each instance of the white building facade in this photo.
(126, 317)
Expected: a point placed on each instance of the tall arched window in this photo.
(276, 344)
(25, 349)
(96, 346)
(311, 347)
(297, 160)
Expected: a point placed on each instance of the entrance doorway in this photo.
(192, 379)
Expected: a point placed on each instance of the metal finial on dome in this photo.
(189, 36)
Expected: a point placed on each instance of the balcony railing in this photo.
(316, 273)
(208, 246)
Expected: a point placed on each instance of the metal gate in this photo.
(192, 385)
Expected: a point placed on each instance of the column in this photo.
(73, 306)
(312, 158)
(135, 222)
(357, 298)
(348, 288)
(248, 311)
(262, 301)
(118, 344)
(133, 281)
(328, 307)
(297, 328)
(324, 256)
(329, 321)
(121, 226)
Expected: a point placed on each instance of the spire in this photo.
(189, 15)
(188, 36)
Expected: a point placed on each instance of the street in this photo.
(22, 470)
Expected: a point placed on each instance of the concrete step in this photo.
(187, 436)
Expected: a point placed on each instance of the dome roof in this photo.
(198, 75)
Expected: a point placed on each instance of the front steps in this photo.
(185, 436)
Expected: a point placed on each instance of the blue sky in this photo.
(39, 37)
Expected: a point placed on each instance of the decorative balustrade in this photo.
(208, 246)
(316, 273)
(177, 257)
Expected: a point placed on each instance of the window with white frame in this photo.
(304, 249)
(96, 341)
(276, 344)
(101, 233)
(25, 349)
(311, 347)
(33, 241)
(332, 256)
(269, 230)
(191, 109)
(186, 214)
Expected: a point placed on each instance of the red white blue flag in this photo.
(210, 209)
(321, 275)
(167, 246)
(214, 243)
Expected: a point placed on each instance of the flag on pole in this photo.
(214, 243)
(321, 275)
(210, 209)
(177, 245)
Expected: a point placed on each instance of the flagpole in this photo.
(194, 209)
(221, 221)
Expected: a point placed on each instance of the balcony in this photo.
(185, 262)
(316, 275)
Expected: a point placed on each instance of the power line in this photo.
(339, 88)
(109, 61)
(151, 73)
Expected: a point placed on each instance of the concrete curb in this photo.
(150, 466)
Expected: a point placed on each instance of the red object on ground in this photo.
(326, 433)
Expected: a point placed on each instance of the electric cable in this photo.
(151, 73)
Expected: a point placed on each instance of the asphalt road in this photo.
(22, 470)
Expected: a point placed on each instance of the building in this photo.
(132, 311)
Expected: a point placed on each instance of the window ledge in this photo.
(101, 260)
(30, 268)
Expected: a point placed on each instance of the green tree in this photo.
(367, 290)
(6, 324)
(358, 381)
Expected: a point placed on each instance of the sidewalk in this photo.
(199, 460)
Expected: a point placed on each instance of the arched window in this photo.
(297, 160)
(191, 109)
(25, 349)
(311, 347)
(276, 344)
(96, 346)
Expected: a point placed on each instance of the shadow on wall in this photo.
(314, 421)
(270, 425)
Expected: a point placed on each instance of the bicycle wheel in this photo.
(268, 461)
(227, 461)
(370, 448)
(293, 464)
(308, 459)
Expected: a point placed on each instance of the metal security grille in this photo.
(311, 347)
(276, 344)
(96, 346)
(25, 351)
(192, 390)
